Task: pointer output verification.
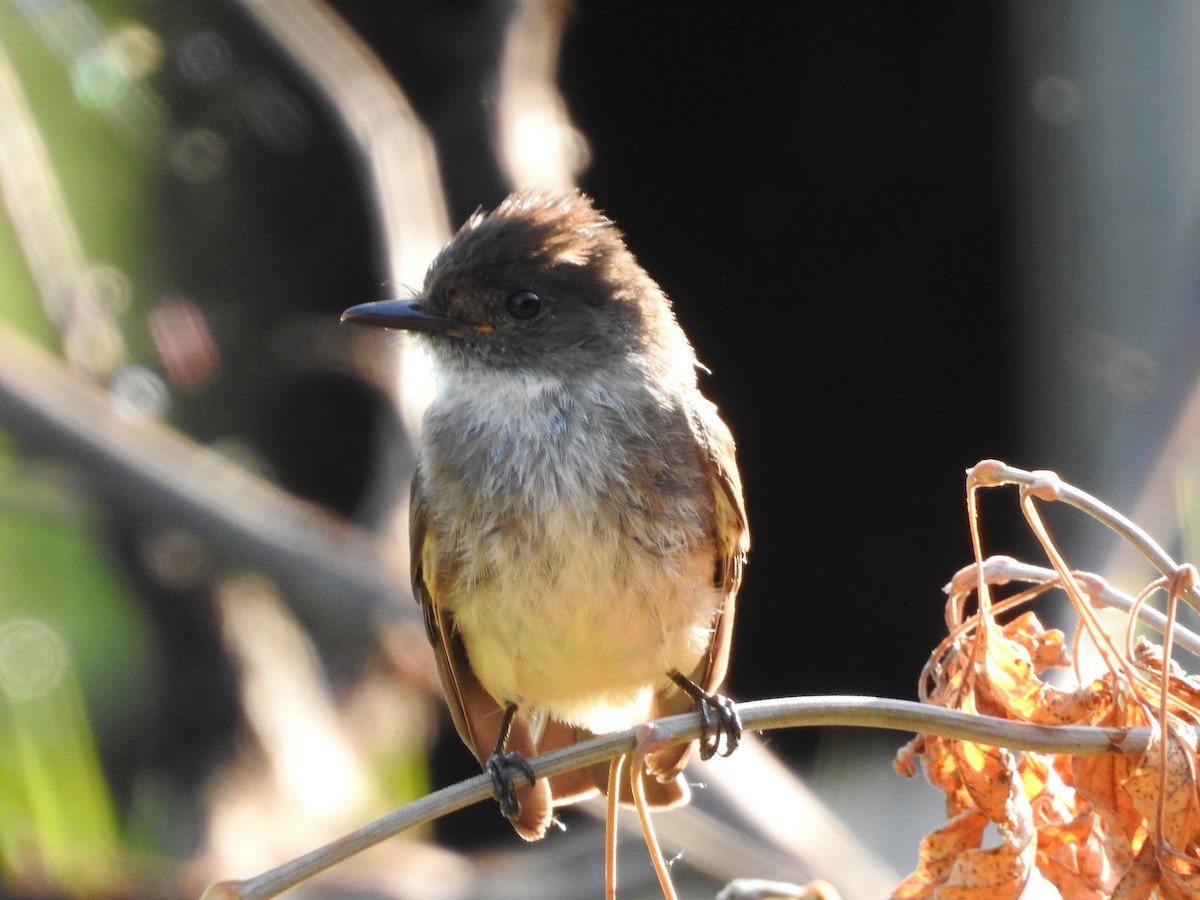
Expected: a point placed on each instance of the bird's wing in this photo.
(730, 542)
(458, 683)
(731, 535)
(476, 714)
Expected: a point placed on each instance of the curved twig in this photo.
(762, 715)
(1046, 485)
(998, 570)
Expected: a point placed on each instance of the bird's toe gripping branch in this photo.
(504, 769)
(718, 719)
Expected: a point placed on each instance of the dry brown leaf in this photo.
(1010, 685)
(1140, 879)
(1095, 826)
(1179, 877)
(1098, 780)
(1070, 855)
(1047, 648)
(1176, 786)
(905, 762)
(1184, 689)
(985, 782)
(941, 768)
(939, 850)
(1082, 706)
(988, 775)
(997, 873)
(1070, 846)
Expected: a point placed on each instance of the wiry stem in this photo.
(1047, 486)
(759, 715)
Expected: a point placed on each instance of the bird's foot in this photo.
(504, 769)
(718, 719)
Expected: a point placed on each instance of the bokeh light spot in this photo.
(137, 392)
(33, 658)
(135, 49)
(1057, 100)
(198, 155)
(93, 344)
(184, 342)
(106, 289)
(204, 57)
(99, 81)
(178, 558)
(275, 114)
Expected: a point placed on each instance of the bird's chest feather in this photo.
(574, 543)
(534, 468)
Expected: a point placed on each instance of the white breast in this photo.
(559, 607)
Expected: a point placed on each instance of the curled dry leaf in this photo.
(1093, 826)
(953, 865)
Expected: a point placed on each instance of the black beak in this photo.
(406, 314)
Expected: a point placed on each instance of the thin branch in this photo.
(999, 570)
(398, 153)
(760, 715)
(34, 202)
(1046, 485)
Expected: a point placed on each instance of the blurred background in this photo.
(903, 238)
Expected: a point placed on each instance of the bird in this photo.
(577, 526)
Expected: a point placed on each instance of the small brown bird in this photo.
(577, 524)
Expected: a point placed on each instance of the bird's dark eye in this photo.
(523, 305)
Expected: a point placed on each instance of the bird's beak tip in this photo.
(381, 313)
(406, 315)
(354, 313)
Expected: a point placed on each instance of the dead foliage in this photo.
(1113, 825)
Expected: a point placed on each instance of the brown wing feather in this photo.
(731, 536)
(476, 714)
(439, 627)
(731, 541)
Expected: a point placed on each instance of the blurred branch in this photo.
(534, 137)
(33, 196)
(49, 241)
(761, 715)
(1168, 487)
(317, 557)
(398, 153)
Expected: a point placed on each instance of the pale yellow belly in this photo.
(584, 626)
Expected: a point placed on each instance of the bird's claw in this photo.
(504, 769)
(718, 718)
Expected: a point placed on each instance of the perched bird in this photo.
(577, 524)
